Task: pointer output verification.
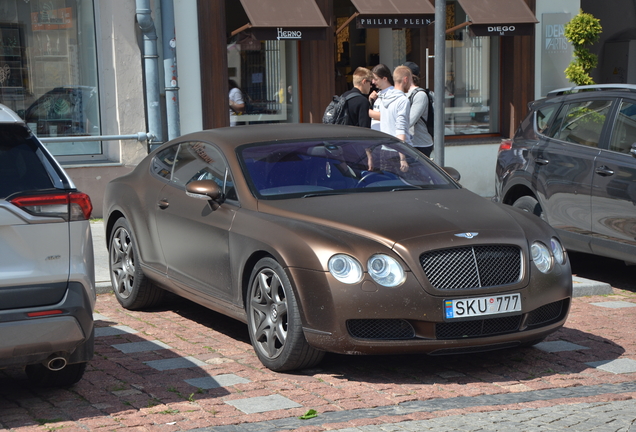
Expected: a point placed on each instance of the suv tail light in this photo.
(71, 206)
(506, 144)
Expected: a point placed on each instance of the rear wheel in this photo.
(274, 322)
(40, 376)
(132, 288)
(529, 204)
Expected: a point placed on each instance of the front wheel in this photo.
(273, 320)
(530, 205)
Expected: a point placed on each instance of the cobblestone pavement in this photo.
(185, 368)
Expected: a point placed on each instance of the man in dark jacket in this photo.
(358, 106)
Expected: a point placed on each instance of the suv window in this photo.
(22, 162)
(543, 117)
(624, 131)
(582, 122)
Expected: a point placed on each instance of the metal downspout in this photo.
(151, 61)
(439, 81)
(170, 68)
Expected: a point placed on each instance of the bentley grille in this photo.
(472, 266)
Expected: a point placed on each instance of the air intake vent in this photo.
(386, 329)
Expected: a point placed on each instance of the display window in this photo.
(48, 70)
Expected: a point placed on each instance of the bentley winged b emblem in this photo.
(467, 235)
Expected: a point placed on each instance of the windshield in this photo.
(314, 168)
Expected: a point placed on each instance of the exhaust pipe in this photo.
(55, 363)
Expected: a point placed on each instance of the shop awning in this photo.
(284, 20)
(391, 14)
(499, 17)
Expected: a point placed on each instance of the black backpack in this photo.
(430, 121)
(337, 111)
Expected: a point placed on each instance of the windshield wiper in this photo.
(413, 187)
(317, 194)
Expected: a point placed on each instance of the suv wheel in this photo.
(40, 376)
(132, 288)
(529, 204)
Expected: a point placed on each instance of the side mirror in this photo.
(632, 150)
(205, 190)
(455, 175)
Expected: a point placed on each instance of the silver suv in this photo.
(47, 274)
(573, 163)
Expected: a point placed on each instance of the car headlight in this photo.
(541, 257)
(345, 268)
(385, 270)
(557, 250)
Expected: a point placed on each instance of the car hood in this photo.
(396, 217)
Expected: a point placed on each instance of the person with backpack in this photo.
(352, 107)
(421, 115)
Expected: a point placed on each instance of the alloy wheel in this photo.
(122, 263)
(268, 312)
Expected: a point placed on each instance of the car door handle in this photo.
(604, 171)
(540, 161)
(163, 203)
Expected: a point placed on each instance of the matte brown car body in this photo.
(208, 254)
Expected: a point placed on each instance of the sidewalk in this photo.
(183, 367)
(581, 286)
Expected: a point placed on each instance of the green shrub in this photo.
(582, 30)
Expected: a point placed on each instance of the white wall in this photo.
(476, 164)
(120, 79)
(189, 66)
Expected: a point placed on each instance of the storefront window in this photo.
(266, 74)
(472, 79)
(48, 70)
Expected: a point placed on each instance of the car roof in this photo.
(8, 116)
(232, 137)
(592, 88)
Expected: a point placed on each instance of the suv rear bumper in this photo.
(69, 334)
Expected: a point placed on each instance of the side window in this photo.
(624, 131)
(200, 161)
(163, 162)
(583, 122)
(543, 116)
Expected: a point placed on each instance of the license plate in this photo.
(479, 306)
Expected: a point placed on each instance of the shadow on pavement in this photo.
(614, 272)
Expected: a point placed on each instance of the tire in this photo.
(273, 320)
(40, 376)
(132, 288)
(530, 205)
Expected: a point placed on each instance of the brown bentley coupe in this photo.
(332, 238)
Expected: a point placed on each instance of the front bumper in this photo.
(29, 340)
(329, 308)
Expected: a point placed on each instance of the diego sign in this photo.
(522, 29)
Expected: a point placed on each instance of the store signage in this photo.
(556, 51)
(286, 33)
(395, 21)
(522, 29)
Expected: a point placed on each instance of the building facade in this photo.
(84, 76)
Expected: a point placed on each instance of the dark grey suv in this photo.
(47, 273)
(573, 162)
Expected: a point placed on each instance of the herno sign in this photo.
(411, 21)
(282, 34)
